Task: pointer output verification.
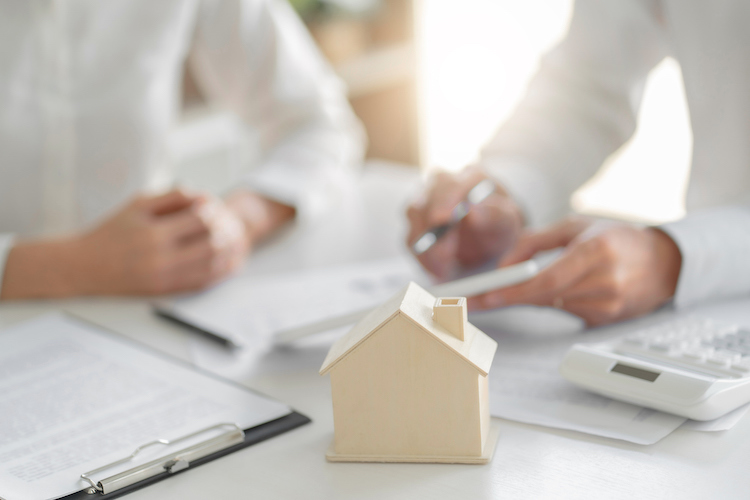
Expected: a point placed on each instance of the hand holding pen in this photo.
(461, 221)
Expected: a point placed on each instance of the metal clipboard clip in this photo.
(171, 463)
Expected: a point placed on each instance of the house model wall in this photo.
(409, 384)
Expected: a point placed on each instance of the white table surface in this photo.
(529, 462)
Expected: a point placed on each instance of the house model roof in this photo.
(415, 304)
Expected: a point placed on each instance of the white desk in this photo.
(530, 461)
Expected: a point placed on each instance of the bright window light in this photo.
(477, 58)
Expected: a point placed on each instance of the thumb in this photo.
(169, 202)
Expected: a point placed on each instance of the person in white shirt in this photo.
(579, 108)
(89, 92)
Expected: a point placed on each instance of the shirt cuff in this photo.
(714, 245)
(6, 243)
(312, 196)
(541, 201)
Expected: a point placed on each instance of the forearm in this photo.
(41, 269)
(579, 108)
(309, 168)
(244, 55)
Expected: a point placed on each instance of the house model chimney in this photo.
(450, 313)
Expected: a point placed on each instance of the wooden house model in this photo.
(409, 384)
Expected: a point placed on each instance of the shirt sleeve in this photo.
(714, 244)
(256, 57)
(6, 243)
(579, 108)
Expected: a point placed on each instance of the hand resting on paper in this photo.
(606, 273)
(174, 242)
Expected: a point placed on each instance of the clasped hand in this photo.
(174, 242)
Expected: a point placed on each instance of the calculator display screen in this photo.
(635, 372)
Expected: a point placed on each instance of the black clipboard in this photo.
(249, 436)
(252, 436)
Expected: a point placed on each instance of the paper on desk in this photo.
(73, 400)
(720, 424)
(525, 386)
(531, 390)
(254, 308)
(524, 381)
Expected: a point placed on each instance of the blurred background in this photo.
(432, 79)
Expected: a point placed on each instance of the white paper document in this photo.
(720, 424)
(255, 308)
(524, 382)
(74, 399)
(252, 307)
(528, 388)
(525, 386)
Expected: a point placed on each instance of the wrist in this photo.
(668, 260)
(41, 269)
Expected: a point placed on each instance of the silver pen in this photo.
(476, 195)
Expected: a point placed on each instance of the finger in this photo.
(557, 235)
(435, 208)
(532, 242)
(184, 225)
(573, 266)
(489, 230)
(227, 230)
(595, 311)
(440, 259)
(205, 267)
(599, 284)
(444, 194)
(446, 191)
(171, 201)
(526, 246)
(415, 214)
(222, 244)
(196, 254)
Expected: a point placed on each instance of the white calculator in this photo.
(691, 367)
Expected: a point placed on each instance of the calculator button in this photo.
(695, 355)
(691, 344)
(660, 346)
(719, 359)
(740, 348)
(732, 357)
(708, 351)
(743, 365)
(634, 341)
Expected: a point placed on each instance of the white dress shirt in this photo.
(90, 90)
(582, 106)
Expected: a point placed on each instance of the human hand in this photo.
(489, 229)
(163, 244)
(605, 274)
(261, 215)
(156, 244)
